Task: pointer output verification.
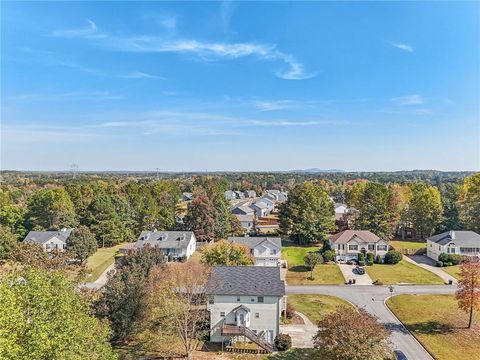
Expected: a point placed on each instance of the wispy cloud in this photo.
(274, 105)
(202, 49)
(276, 123)
(140, 75)
(408, 100)
(403, 46)
(95, 95)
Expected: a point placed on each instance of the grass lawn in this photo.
(295, 254)
(453, 270)
(403, 272)
(439, 325)
(98, 262)
(315, 307)
(414, 245)
(324, 274)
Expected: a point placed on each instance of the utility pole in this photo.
(74, 168)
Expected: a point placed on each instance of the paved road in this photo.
(372, 298)
(102, 279)
(429, 264)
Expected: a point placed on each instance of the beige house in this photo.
(245, 302)
(349, 243)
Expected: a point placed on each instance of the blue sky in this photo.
(240, 86)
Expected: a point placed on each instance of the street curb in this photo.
(395, 316)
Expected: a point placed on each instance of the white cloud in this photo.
(274, 105)
(402, 46)
(408, 100)
(140, 75)
(90, 31)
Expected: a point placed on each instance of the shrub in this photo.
(283, 342)
(329, 255)
(448, 264)
(439, 264)
(370, 258)
(361, 257)
(443, 257)
(289, 311)
(326, 246)
(455, 259)
(361, 262)
(378, 259)
(393, 257)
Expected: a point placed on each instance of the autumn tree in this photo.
(353, 334)
(173, 307)
(469, 203)
(202, 218)
(312, 259)
(81, 243)
(225, 253)
(426, 209)
(43, 317)
(468, 293)
(308, 215)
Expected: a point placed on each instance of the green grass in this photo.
(403, 272)
(315, 307)
(324, 274)
(414, 245)
(102, 259)
(453, 270)
(295, 254)
(294, 354)
(439, 325)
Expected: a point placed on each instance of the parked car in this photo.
(360, 270)
(399, 355)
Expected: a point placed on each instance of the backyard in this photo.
(406, 245)
(315, 307)
(403, 272)
(439, 325)
(102, 259)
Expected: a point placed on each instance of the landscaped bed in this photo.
(439, 325)
(102, 259)
(403, 272)
(315, 307)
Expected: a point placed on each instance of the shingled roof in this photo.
(245, 280)
(344, 237)
(41, 237)
(164, 239)
(251, 241)
(463, 238)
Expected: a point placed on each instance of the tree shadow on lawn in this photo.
(294, 354)
(431, 328)
(299, 268)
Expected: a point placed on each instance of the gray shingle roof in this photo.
(244, 217)
(245, 280)
(41, 237)
(460, 238)
(260, 205)
(251, 242)
(165, 239)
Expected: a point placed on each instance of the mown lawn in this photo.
(453, 270)
(402, 244)
(315, 307)
(295, 254)
(403, 272)
(324, 274)
(98, 262)
(439, 325)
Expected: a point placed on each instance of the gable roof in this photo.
(164, 239)
(260, 205)
(252, 242)
(464, 238)
(245, 280)
(244, 217)
(344, 237)
(41, 237)
(243, 208)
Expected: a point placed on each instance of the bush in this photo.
(326, 246)
(361, 262)
(439, 264)
(283, 342)
(370, 258)
(289, 311)
(450, 259)
(448, 264)
(378, 259)
(329, 255)
(443, 257)
(393, 257)
(361, 257)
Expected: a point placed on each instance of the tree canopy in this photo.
(225, 253)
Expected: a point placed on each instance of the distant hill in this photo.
(317, 170)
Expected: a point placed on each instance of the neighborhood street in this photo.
(372, 298)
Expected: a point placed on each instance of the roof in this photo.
(244, 217)
(243, 208)
(463, 238)
(165, 239)
(252, 242)
(41, 237)
(260, 205)
(245, 280)
(273, 191)
(344, 237)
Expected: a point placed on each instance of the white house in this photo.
(230, 195)
(242, 210)
(279, 196)
(50, 240)
(340, 210)
(465, 243)
(250, 194)
(245, 302)
(175, 244)
(260, 208)
(268, 201)
(267, 251)
(246, 221)
(349, 243)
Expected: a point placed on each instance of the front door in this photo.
(242, 320)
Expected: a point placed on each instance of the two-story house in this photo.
(247, 222)
(245, 302)
(465, 243)
(267, 251)
(49, 240)
(261, 209)
(349, 243)
(175, 244)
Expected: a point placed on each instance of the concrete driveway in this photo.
(429, 264)
(372, 298)
(349, 272)
(301, 334)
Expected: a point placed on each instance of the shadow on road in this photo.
(396, 328)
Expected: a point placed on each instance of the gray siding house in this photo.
(49, 240)
(465, 243)
(267, 251)
(175, 244)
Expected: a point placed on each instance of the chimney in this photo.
(452, 234)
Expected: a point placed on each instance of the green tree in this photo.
(449, 194)
(312, 259)
(13, 216)
(426, 209)
(308, 215)
(8, 241)
(225, 253)
(43, 317)
(469, 202)
(51, 209)
(81, 243)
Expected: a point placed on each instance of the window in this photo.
(238, 298)
(352, 247)
(274, 251)
(252, 300)
(257, 315)
(382, 247)
(211, 301)
(339, 246)
(371, 246)
(222, 313)
(260, 299)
